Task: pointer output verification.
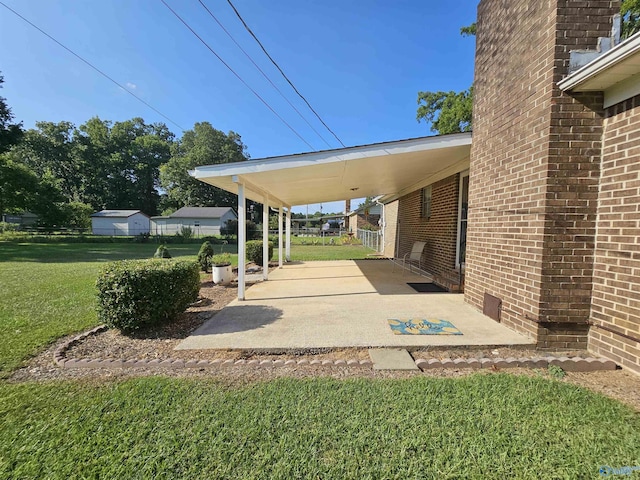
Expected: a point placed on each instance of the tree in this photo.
(10, 133)
(101, 164)
(630, 12)
(18, 184)
(469, 30)
(448, 112)
(204, 145)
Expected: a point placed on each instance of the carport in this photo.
(389, 168)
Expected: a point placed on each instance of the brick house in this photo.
(554, 195)
(537, 218)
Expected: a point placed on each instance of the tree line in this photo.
(63, 172)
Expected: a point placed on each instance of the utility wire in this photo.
(237, 76)
(262, 72)
(280, 70)
(92, 66)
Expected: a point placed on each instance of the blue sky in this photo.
(359, 63)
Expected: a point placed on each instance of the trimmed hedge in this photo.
(254, 251)
(139, 293)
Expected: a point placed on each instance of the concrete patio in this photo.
(335, 304)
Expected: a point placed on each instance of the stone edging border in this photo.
(575, 364)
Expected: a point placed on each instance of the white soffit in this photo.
(616, 73)
(333, 175)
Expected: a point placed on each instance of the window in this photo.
(426, 202)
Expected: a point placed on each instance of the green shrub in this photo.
(139, 293)
(254, 251)
(204, 256)
(162, 252)
(185, 233)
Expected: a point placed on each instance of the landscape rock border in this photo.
(573, 364)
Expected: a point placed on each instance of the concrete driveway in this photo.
(342, 304)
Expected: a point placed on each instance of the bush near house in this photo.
(139, 293)
(254, 251)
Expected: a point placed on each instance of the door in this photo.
(463, 211)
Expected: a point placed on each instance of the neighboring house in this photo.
(365, 217)
(119, 223)
(201, 220)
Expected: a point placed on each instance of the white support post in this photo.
(280, 236)
(288, 239)
(265, 238)
(242, 239)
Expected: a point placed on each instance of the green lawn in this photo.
(482, 426)
(48, 288)
(328, 252)
(48, 291)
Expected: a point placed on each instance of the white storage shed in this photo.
(119, 223)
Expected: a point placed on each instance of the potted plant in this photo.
(221, 268)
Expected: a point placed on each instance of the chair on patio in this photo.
(413, 257)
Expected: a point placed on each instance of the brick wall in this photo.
(439, 230)
(616, 279)
(534, 167)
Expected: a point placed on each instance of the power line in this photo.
(92, 66)
(237, 76)
(280, 70)
(262, 72)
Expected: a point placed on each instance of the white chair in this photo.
(413, 257)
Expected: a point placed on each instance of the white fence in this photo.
(371, 239)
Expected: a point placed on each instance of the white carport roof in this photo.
(391, 168)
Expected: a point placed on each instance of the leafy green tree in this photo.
(469, 30)
(204, 145)
(10, 133)
(18, 186)
(448, 112)
(101, 164)
(138, 151)
(630, 12)
(50, 149)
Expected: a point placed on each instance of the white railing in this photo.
(371, 239)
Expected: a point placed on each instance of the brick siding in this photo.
(534, 167)
(439, 230)
(616, 278)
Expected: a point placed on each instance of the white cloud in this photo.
(131, 86)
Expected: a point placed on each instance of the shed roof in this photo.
(117, 213)
(201, 212)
